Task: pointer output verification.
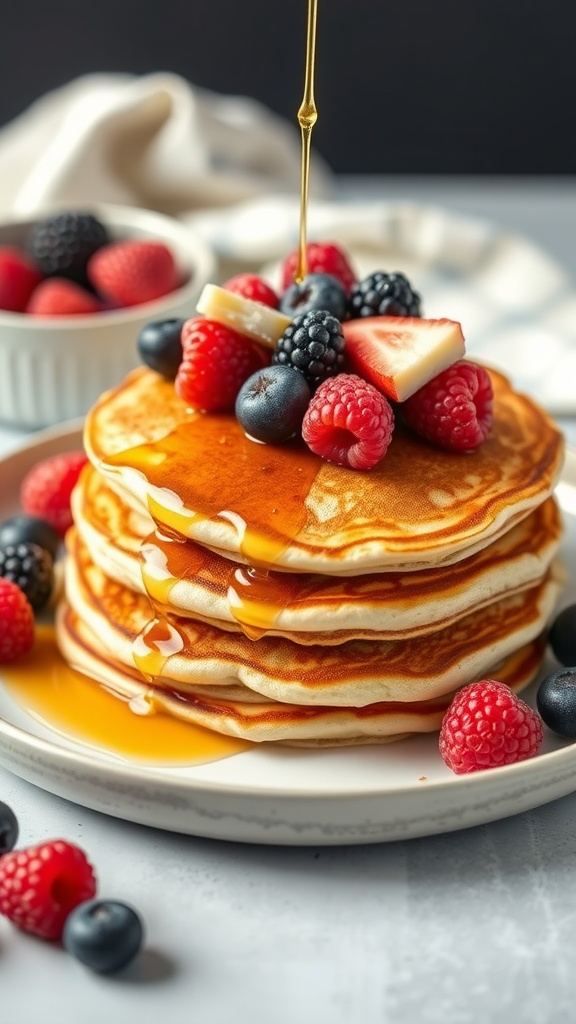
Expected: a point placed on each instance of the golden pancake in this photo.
(282, 507)
(189, 580)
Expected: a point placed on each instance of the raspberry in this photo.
(58, 297)
(41, 885)
(321, 258)
(45, 490)
(251, 286)
(216, 361)
(62, 244)
(16, 622)
(454, 409)
(486, 726)
(18, 279)
(129, 273)
(348, 422)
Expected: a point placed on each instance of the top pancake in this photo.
(280, 506)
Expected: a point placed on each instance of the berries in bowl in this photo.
(76, 288)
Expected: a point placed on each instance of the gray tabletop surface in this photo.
(469, 927)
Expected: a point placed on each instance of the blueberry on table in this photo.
(556, 702)
(562, 636)
(315, 291)
(160, 348)
(8, 828)
(105, 935)
(272, 402)
(24, 529)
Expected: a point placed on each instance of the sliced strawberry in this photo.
(400, 354)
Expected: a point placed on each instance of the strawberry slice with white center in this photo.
(400, 354)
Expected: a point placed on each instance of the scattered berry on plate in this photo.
(401, 354)
(556, 702)
(18, 279)
(271, 404)
(454, 409)
(160, 347)
(132, 272)
(562, 636)
(215, 363)
(61, 245)
(22, 529)
(105, 935)
(315, 291)
(55, 296)
(16, 622)
(321, 258)
(8, 829)
(349, 422)
(41, 885)
(45, 490)
(254, 287)
(384, 294)
(313, 344)
(487, 726)
(31, 568)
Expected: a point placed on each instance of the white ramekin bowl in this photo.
(54, 368)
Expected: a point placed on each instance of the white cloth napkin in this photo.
(231, 169)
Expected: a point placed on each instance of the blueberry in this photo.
(556, 702)
(316, 291)
(105, 935)
(160, 348)
(8, 828)
(30, 530)
(562, 636)
(272, 402)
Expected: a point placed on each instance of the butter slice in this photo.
(253, 319)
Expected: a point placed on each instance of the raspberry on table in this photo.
(384, 294)
(254, 287)
(132, 272)
(16, 622)
(18, 279)
(62, 244)
(454, 409)
(45, 490)
(349, 422)
(216, 361)
(55, 296)
(487, 726)
(41, 885)
(321, 258)
(313, 344)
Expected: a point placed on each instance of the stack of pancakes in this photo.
(265, 593)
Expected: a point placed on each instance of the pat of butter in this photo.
(253, 319)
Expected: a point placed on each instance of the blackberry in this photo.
(62, 245)
(313, 344)
(31, 568)
(383, 294)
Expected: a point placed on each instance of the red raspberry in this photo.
(454, 409)
(45, 490)
(487, 725)
(251, 286)
(18, 279)
(215, 363)
(40, 885)
(129, 273)
(56, 296)
(321, 258)
(16, 622)
(348, 422)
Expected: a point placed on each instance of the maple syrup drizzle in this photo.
(307, 117)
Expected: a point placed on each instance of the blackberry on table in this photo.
(31, 568)
(313, 344)
(384, 294)
(62, 245)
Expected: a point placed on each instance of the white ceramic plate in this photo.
(321, 797)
